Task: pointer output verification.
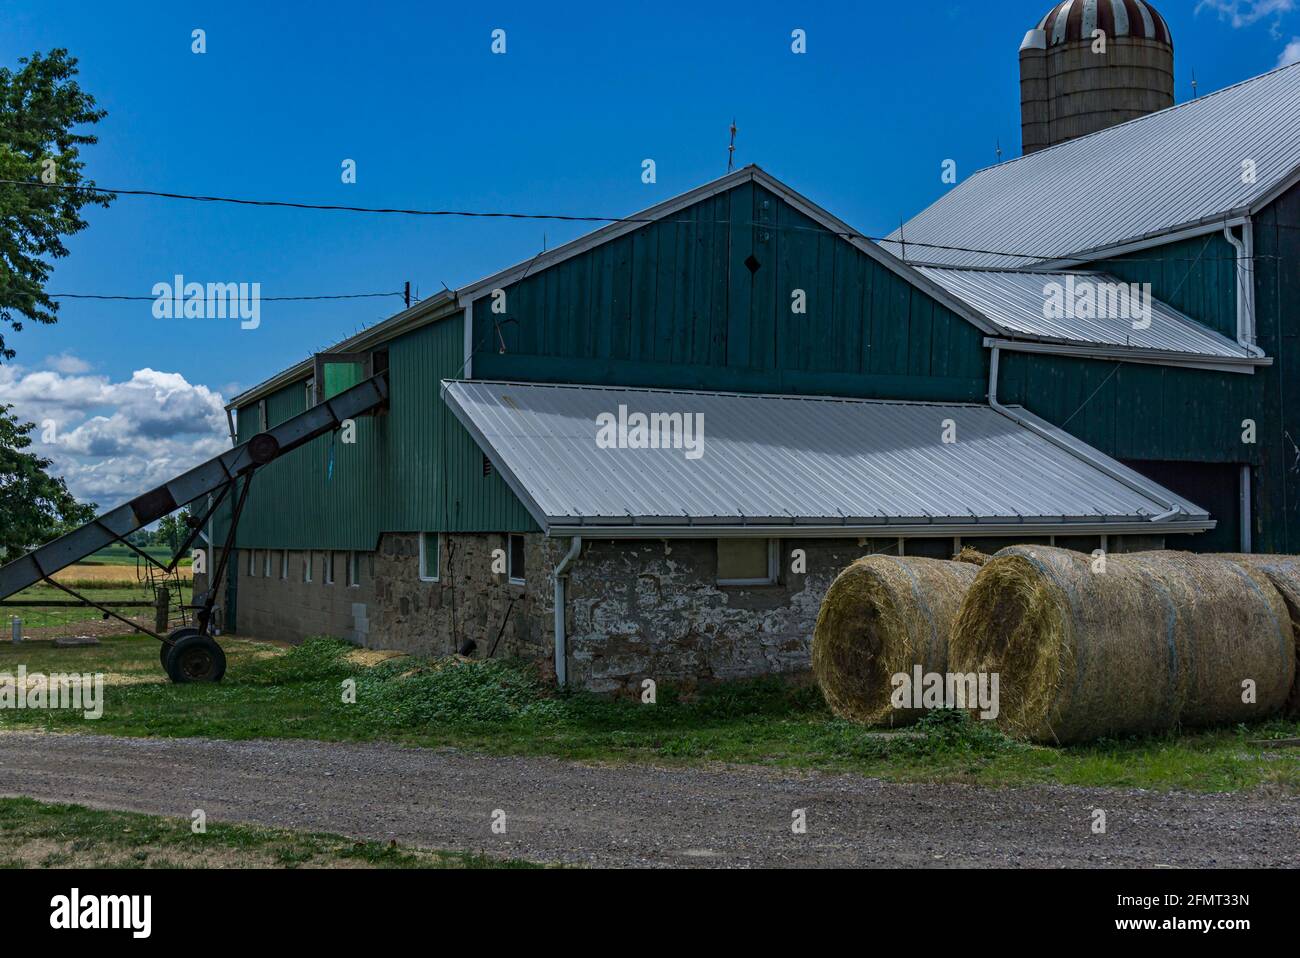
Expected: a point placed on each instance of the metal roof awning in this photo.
(799, 466)
(1115, 325)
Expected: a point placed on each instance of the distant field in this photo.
(118, 554)
(37, 620)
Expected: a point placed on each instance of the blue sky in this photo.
(861, 123)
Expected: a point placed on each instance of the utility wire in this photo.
(261, 298)
(1182, 282)
(568, 218)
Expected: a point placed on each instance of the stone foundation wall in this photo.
(635, 609)
(653, 609)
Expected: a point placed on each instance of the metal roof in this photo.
(1015, 303)
(803, 466)
(1163, 173)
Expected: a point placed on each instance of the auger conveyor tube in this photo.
(187, 487)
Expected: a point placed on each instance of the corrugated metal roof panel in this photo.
(1173, 169)
(1015, 301)
(781, 460)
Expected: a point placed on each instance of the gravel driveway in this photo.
(635, 815)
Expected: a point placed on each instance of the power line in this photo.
(572, 218)
(263, 299)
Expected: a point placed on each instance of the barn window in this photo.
(354, 571)
(328, 558)
(306, 566)
(429, 543)
(266, 563)
(252, 563)
(516, 556)
(747, 561)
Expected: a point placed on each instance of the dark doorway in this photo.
(1214, 486)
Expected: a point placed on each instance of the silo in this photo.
(1069, 88)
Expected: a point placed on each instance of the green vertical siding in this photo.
(413, 468)
(1142, 412)
(673, 305)
(1196, 276)
(1277, 406)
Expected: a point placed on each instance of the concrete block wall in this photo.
(391, 607)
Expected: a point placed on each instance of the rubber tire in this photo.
(196, 658)
(176, 636)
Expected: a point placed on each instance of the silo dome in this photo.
(1076, 20)
(1074, 81)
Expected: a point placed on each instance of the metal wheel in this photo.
(164, 649)
(196, 658)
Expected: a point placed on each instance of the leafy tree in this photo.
(40, 106)
(34, 506)
(172, 531)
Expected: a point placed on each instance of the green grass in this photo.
(43, 835)
(43, 617)
(501, 708)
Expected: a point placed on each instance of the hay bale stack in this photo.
(881, 616)
(1284, 573)
(1157, 640)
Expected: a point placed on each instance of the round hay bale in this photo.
(1284, 573)
(1157, 640)
(884, 615)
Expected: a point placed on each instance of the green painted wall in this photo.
(1277, 320)
(674, 305)
(392, 479)
(1144, 412)
(1197, 276)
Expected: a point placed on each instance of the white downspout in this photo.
(561, 646)
(1245, 249)
(1172, 508)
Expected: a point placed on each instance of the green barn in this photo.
(646, 453)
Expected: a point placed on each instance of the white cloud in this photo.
(1291, 54)
(114, 440)
(1244, 13)
(67, 363)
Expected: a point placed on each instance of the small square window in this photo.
(284, 563)
(517, 559)
(328, 559)
(306, 567)
(747, 561)
(354, 570)
(430, 543)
